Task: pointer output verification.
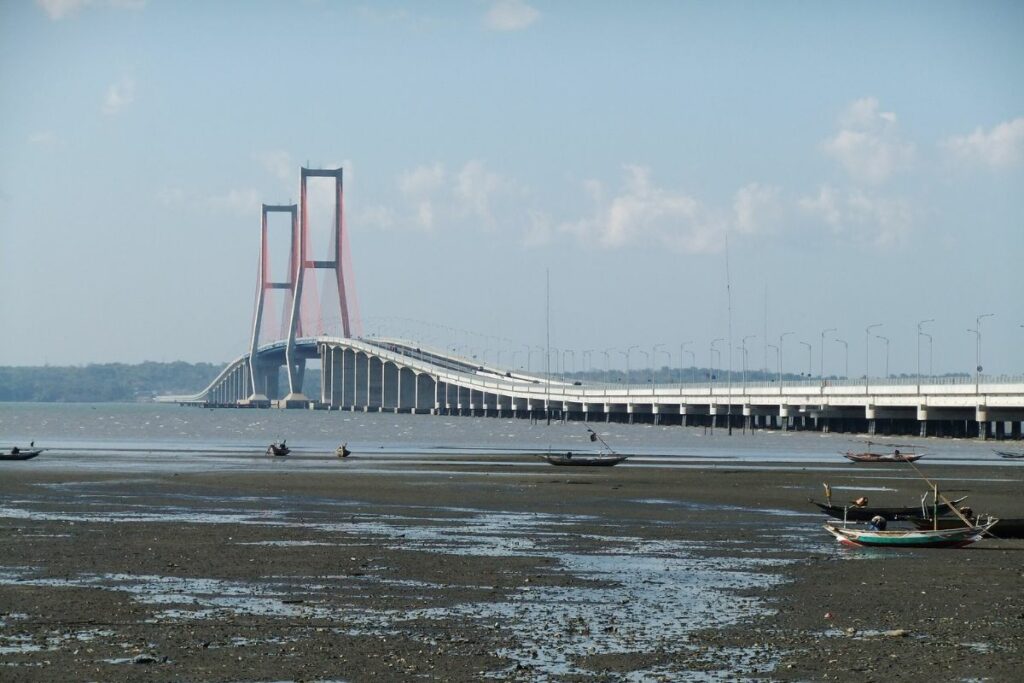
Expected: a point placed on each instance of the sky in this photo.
(683, 171)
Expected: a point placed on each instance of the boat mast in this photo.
(547, 334)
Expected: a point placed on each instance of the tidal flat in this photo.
(485, 567)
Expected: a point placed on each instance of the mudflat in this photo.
(512, 570)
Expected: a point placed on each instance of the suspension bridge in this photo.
(380, 374)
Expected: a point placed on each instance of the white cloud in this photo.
(642, 214)
(1001, 146)
(858, 217)
(59, 9)
(246, 202)
(867, 145)
(475, 187)
(421, 187)
(119, 95)
(279, 164)
(757, 209)
(510, 15)
(43, 138)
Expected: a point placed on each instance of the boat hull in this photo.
(584, 460)
(21, 455)
(876, 457)
(943, 538)
(864, 514)
(1004, 528)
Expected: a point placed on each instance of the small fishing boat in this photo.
(1013, 455)
(342, 451)
(607, 457)
(1004, 528)
(895, 456)
(911, 538)
(570, 458)
(21, 454)
(863, 513)
(278, 449)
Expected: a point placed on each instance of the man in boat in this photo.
(877, 523)
(15, 450)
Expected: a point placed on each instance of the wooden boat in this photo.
(342, 451)
(278, 449)
(570, 458)
(20, 454)
(1010, 454)
(1004, 528)
(864, 513)
(895, 456)
(911, 538)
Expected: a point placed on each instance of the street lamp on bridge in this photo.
(711, 360)
(808, 357)
(781, 337)
(977, 349)
(886, 340)
(846, 348)
(778, 363)
(821, 369)
(693, 359)
(919, 335)
(867, 354)
(743, 347)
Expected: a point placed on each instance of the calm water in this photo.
(119, 434)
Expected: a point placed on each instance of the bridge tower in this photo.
(302, 263)
(264, 379)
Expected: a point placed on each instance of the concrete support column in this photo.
(981, 417)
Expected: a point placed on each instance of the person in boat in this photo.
(860, 502)
(15, 450)
(568, 455)
(897, 453)
(877, 523)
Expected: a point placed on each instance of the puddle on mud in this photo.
(638, 596)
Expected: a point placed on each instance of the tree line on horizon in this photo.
(106, 382)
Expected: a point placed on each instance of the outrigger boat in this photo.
(911, 538)
(278, 449)
(863, 513)
(606, 458)
(895, 456)
(19, 454)
(1004, 528)
(568, 458)
(1013, 455)
(871, 456)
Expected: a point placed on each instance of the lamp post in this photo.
(867, 354)
(693, 358)
(919, 333)
(781, 337)
(931, 372)
(977, 352)
(528, 349)
(711, 361)
(608, 364)
(821, 369)
(647, 358)
(514, 359)
(778, 363)
(808, 358)
(654, 357)
(846, 348)
(629, 352)
(583, 359)
(572, 354)
(886, 340)
(743, 346)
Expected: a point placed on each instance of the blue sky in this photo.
(865, 162)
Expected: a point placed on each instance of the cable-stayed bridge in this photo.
(394, 375)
